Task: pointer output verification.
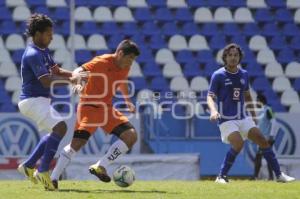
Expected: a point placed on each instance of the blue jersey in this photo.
(229, 88)
(264, 123)
(35, 63)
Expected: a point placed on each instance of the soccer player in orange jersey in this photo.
(108, 73)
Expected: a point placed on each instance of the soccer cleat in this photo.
(222, 180)
(55, 184)
(285, 178)
(44, 178)
(28, 172)
(100, 172)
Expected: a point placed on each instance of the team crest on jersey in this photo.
(242, 81)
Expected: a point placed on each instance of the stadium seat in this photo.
(289, 97)
(264, 16)
(169, 29)
(223, 15)
(231, 29)
(196, 3)
(210, 29)
(156, 3)
(296, 84)
(295, 43)
(96, 42)
(102, 14)
(199, 84)
(57, 42)
(5, 56)
(177, 42)
(163, 56)
(192, 69)
(204, 56)
(13, 83)
(176, 4)
(150, 28)
(270, 29)
(123, 14)
(256, 4)
(285, 56)
(82, 56)
(130, 28)
(151, 69)
(34, 3)
(135, 70)
(1, 43)
(145, 57)
(82, 14)
(276, 3)
(184, 56)
(87, 28)
(293, 70)
(143, 14)
(189, 29)
(297, 16)
(293, 4)
(278, 42)
(62, 14)
(243, 15)
(56, 3)
(219, 56)
(258, 42)
(217, 42)
(136, 3)
(21, 13)
(139, 83)
(171, 69)
(281, 84)
(5, 14)
(203, 15)
(261, 84)
(197, 42)
(240, 40)
(15, 98)
(265, 56)
(15, 3)
(291, 29)
(179, 83)
(17, 56)
(163, 15)
(62, 55)
(273, 70)
(159, 84)
(8, 69)
(183, 15)
(14, 42)
(283, 15)
(236, 3)
(294, 108)
(79, 42)
(251, 29)
(255, 70)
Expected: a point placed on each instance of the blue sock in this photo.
(50, 150)
(228, 161)
(37, 152)
(272, 160)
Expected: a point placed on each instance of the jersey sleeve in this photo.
(214, 85)
(36, 64)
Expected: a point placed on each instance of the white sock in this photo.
(115, 150)
(64, 159)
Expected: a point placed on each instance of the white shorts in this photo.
(39, 109)
(242, 126)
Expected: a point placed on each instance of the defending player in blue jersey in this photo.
(39, 72)
(267, 125)
(229, 86)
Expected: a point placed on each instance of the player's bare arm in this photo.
(214, 114)
(123, 87)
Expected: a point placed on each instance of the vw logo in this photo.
(285, 141)
(18, 137)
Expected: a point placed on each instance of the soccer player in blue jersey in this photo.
(229, 86)
(39, 72)
(267, 125)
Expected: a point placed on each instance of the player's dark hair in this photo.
(37, 23)
(129, 47)
(260, 97)
(227, 49)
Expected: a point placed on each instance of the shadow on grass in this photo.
(115, 191)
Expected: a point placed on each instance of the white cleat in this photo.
(222, 180)
(285, 178)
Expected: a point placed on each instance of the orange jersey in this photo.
(104, 79)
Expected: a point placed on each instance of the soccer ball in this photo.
(124, 176)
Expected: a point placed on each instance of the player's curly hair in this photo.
(230, 46)
(129, 47)
(37, 23)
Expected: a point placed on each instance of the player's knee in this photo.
(129, 137)
(60, 128)
(238, 146)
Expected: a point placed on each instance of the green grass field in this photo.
(237, 189)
